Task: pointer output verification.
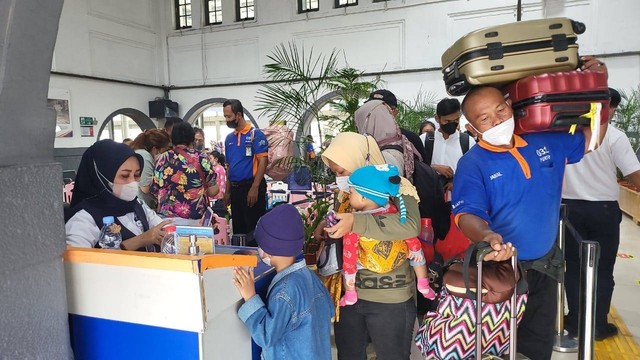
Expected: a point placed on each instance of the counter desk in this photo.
(135, 305)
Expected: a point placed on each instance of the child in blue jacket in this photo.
(295, 322)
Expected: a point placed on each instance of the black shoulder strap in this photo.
(428, 149)
(464, 142)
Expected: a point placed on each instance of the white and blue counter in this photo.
(134, 305)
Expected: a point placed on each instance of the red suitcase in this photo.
(556, 101)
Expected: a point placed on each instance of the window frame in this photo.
(302, 11)
(238, 7)
(338, 5)
(177, 6)
(208, 13)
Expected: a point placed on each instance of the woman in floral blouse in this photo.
(183, 179)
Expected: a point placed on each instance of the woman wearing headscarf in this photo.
(375, 118)
(106, 184)
(385, 310)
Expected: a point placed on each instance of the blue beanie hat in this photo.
(377, 183)
(280, 232)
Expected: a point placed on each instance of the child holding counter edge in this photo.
(371, 188)
(295, 321)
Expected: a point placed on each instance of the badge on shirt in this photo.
(247, 150)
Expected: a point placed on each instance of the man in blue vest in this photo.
(246, 151)
(507, 192)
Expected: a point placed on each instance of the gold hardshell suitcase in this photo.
(504, 53)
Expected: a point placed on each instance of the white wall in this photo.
(397, 35)
(115, 39)
(97, 36)
(97, 99)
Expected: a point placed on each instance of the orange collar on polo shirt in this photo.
(244, 131)
(518, 142)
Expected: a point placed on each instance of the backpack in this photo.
(428, 146)
(432, 204)
(280, 153)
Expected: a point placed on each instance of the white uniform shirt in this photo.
(447, 151)
(594, 178)
(82, 231)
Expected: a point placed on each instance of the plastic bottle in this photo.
(109, 239)
(169, 241)
(426, 231)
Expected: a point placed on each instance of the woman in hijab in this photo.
(385, 310)
(375, 118)
(107, 185)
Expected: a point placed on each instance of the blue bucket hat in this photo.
(377, 183)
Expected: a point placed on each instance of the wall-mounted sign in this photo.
(88, 121)
(86, 131)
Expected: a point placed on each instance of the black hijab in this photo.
(105, 157)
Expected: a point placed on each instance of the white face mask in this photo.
(126, 192)
(342, 182)
(263, 257)
(500, 134)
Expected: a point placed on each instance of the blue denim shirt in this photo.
(296, 321)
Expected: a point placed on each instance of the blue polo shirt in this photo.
(243, 163)
(517, 191)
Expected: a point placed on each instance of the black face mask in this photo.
(449, 128)
(232, 124)
(199, 146)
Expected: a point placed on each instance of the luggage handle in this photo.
(483, 249)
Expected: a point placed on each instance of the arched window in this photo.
(325, 125)
(124, 123)
(208, 116)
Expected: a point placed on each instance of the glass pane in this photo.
(243, 13)
(243, 3)
(250, 2)
(314, 4)
(218, 4)
(188, 9)
(181, 10)
(212, 6)
(251, 15)
(189, 21)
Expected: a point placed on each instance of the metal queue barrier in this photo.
(589, 258)
(563, 343)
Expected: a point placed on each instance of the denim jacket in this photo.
(295, 323)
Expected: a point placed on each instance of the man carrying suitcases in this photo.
(507, 193)
(594, 212)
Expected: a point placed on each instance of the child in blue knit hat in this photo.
(372, 187)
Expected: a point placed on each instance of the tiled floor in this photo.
(626, 313)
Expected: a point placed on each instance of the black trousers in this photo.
(536, 331)
(390, 327)
(595, 221)
(245, 218)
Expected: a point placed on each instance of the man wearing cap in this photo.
(295, 321)
(246, 152)
(590, 191)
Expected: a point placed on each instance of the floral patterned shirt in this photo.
(178, 186)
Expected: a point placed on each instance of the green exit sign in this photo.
(87, 121)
